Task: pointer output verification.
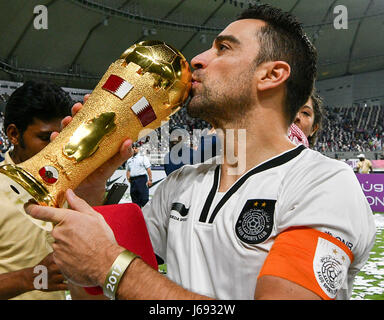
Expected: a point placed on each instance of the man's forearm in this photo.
(15, 283)
(141, 282)
(149, 174)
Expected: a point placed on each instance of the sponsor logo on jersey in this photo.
(181, 209)
(255, 221)
(330, 266)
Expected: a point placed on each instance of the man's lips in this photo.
(195, 81)
(195, 78)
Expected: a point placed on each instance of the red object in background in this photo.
(128, 225)
(377, 164)
(297, 136)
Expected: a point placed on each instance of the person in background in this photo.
(139, 175)
(363, 165)
(32, 113)
(308, 122)
(209, 147)
(179, 153)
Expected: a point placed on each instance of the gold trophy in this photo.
(145, 86)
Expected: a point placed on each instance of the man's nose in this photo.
(201, 60)
(297, 119)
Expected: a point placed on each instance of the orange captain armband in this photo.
(311, 258)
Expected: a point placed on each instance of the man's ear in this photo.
(272, 74)
(13, 134)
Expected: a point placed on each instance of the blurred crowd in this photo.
(356, 128)
(4, 142)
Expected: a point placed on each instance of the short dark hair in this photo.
(283, 38)
(318, 112)
(42, 100)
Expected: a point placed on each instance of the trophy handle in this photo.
(22, 187)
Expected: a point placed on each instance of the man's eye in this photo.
(222, 47)
(45, 138)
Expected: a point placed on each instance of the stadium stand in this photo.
(356, 128)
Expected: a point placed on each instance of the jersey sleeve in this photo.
(324, 228)
(310, 258)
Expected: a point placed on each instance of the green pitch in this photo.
(369, 282)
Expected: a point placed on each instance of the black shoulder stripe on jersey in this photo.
(211, 195)
(284, 158)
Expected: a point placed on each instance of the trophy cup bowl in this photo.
(143, 88)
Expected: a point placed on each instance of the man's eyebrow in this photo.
(227, 38)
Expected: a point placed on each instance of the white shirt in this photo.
(219, 250)
(137, 165)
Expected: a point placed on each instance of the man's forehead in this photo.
(244, 28)
(45, 123)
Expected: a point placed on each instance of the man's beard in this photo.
(217, 107)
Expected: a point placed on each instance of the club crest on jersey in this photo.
(330, 266)
(255, 221)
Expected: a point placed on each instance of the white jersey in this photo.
(300, 216)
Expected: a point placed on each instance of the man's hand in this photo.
(18, 282)
(93, 187)
(55, 277)
(84, 247)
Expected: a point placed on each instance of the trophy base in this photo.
(21, 187)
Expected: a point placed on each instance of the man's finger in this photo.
(77, 203)
(65, 122)
(45, 213)
(125, 152)
(53, 136)
(86, 97)
(76, 108)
